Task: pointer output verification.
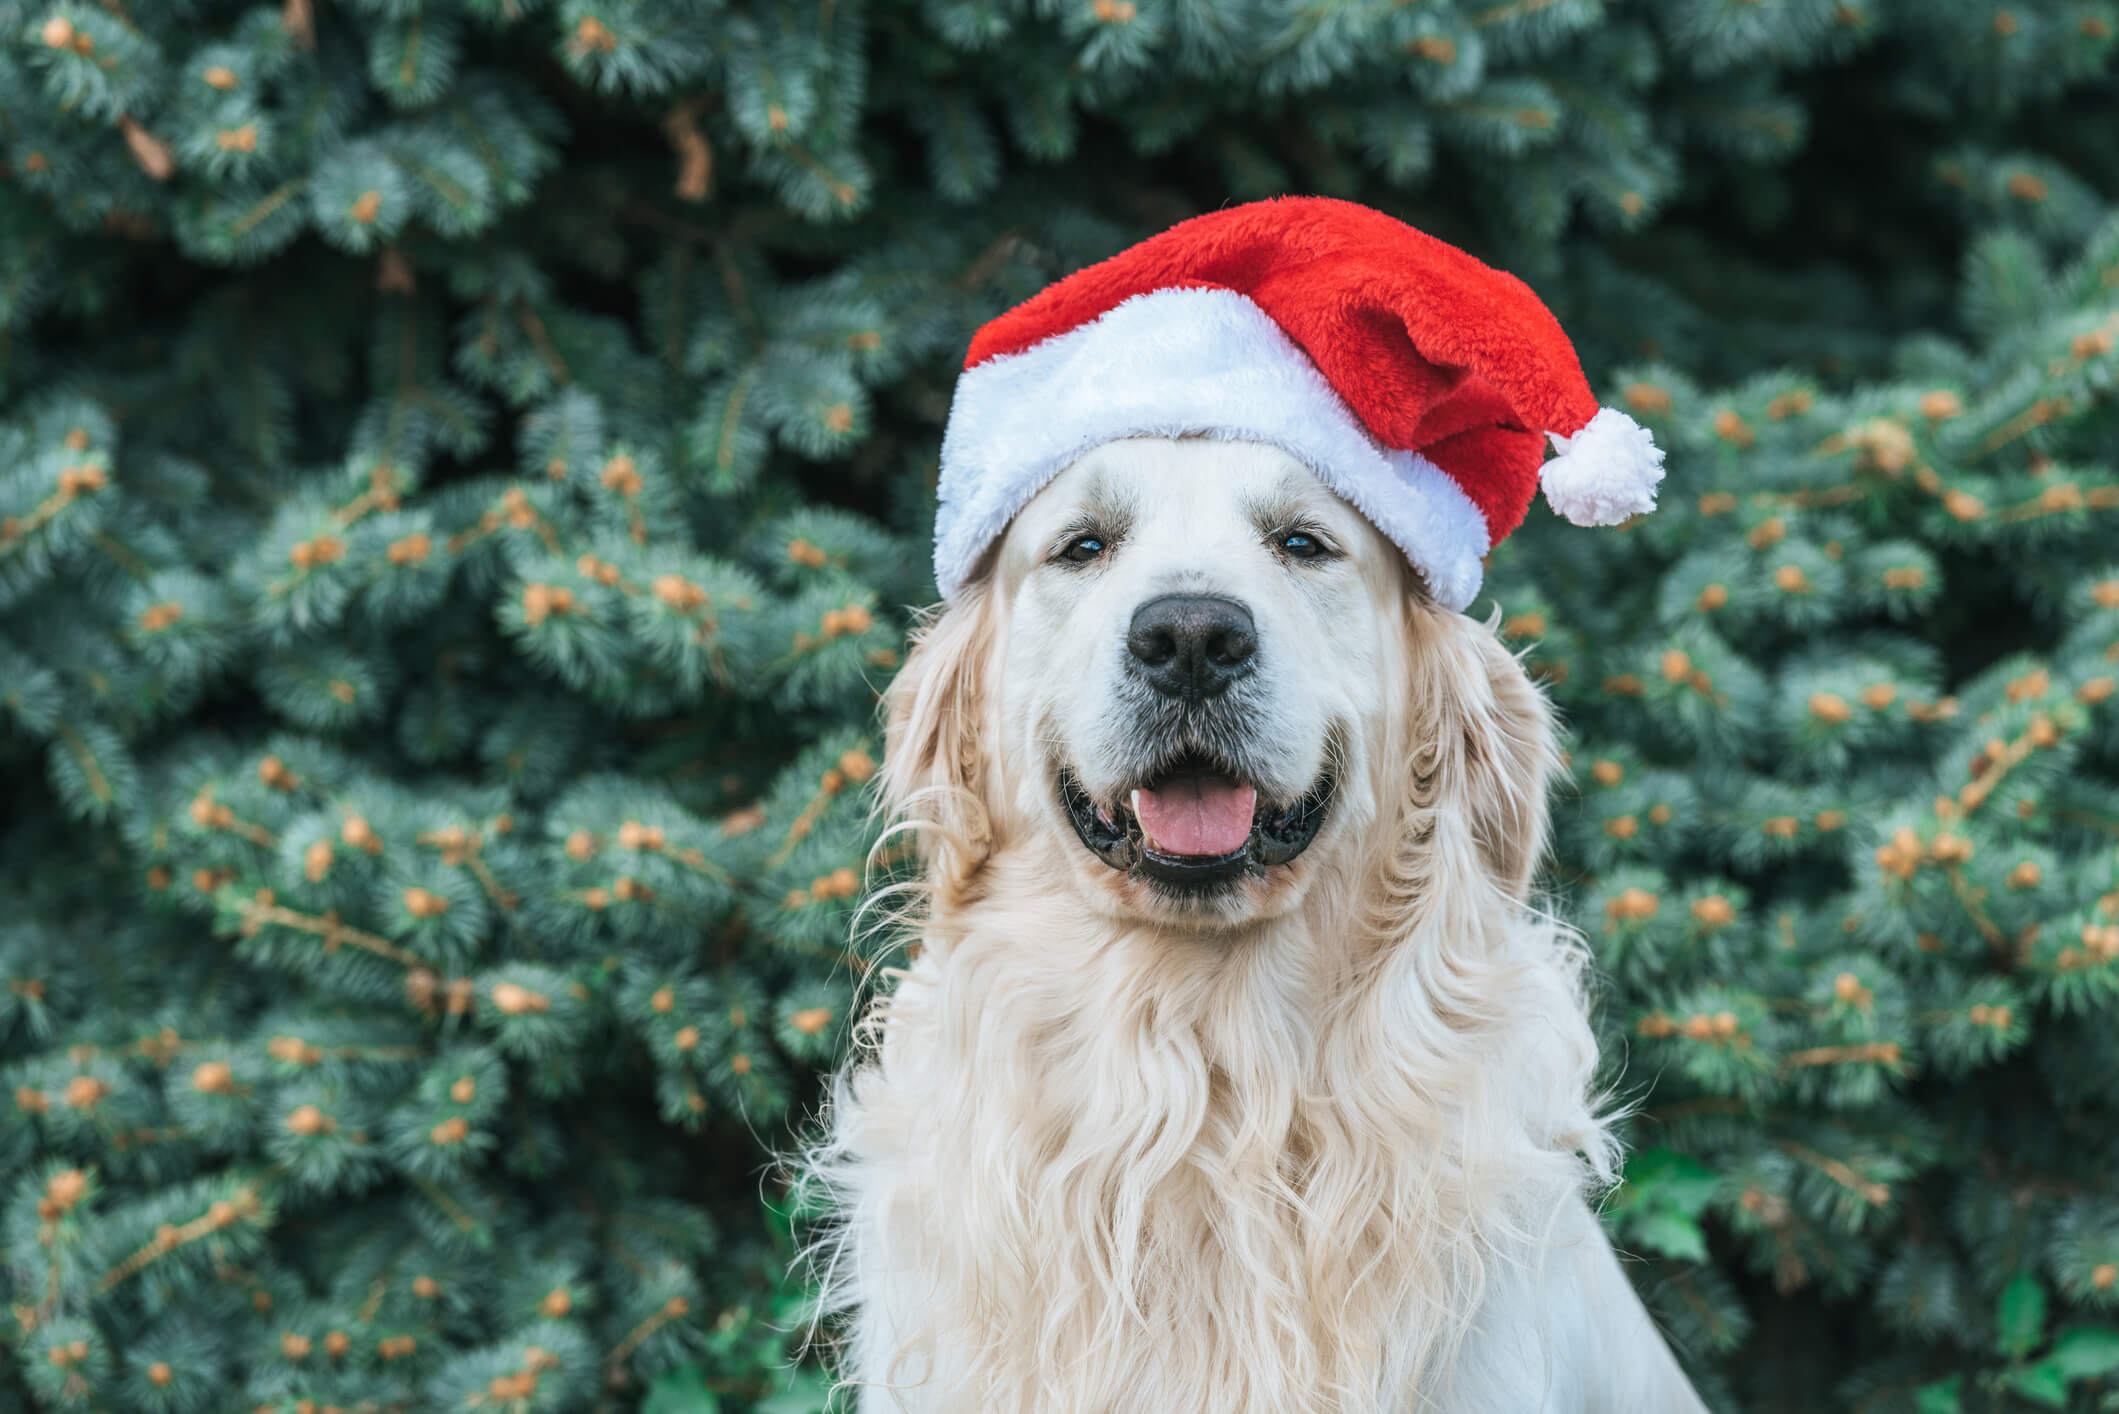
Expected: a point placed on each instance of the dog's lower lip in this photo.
(1113, 835)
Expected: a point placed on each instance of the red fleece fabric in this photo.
(1434, 351)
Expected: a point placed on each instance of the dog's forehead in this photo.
(1123, 484)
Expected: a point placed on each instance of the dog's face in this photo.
(1193, 661)
(1192, 678)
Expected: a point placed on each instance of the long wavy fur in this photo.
(1080, 1166)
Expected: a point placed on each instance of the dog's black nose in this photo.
(1192, 645)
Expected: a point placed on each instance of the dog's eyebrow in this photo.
(1279, 505)
(1108, 503)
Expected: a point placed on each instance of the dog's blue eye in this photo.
(1083, 548)
(1300, 545)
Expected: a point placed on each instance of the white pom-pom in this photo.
(1606, 473)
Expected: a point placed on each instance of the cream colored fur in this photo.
(1321, 1148)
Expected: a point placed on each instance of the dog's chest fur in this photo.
(1094, 1170)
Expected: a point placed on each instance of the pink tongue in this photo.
(1196, 815)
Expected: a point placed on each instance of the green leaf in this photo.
(1665, 1177)
(2080, 1352)
(1942, 1397)
(2042, 1383)
(681, 1391)
(2021, 1315)
(1672, 1234)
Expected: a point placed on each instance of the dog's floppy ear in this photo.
(1486, 754)
(935, 712)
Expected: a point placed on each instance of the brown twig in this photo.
(1868, 1190)
(169, 1239)
(1889, 1052)
(260, 911)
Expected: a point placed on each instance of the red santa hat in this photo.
(1418, 383)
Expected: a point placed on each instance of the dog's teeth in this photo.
(1133, 800)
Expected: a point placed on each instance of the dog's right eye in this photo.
(1082, 549)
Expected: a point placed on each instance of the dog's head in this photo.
(1191, 680)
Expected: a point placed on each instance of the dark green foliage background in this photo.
(464, 475)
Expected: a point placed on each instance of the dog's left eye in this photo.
(1082, 549)
(1300, 545)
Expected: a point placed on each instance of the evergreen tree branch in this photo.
(1875, 1194)
(261, 910)
(219, 1216)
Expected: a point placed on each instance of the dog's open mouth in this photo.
(1195, 824)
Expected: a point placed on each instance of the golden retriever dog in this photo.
(1233, 1069)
